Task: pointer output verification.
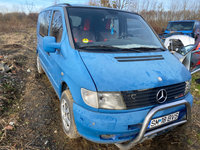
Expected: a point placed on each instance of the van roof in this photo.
(84, 6)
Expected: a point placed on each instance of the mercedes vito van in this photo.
(115, 80)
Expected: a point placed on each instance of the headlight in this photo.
(104, 100)
(111, 101)
(90, 98)
(187, 86)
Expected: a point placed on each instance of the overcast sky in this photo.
(36, 5)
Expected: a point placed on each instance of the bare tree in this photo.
(3, 9)
(120, 4)
(29, 6)
(105, 3)
(157, 13)
(56, 2)
(93, 3)
(15, 8)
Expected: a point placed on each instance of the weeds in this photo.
(189, 141)
(197, 102)
(198, 136)
(12, 22)
(8, 85)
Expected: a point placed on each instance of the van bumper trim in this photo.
(143, 135)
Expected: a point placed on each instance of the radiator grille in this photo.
(142, 98)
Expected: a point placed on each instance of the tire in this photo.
(67, 116)
(39, 67)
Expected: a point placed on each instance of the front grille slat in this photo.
(147, 97)
(141, 101)
(176, 88)
(175, 93)
(141, 96)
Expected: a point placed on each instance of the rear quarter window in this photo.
(44, 20)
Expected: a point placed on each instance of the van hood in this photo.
(134, 71)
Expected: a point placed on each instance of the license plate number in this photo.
(163, 120)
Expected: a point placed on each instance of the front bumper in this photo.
(126, 125)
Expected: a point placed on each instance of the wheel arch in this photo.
(64, 86)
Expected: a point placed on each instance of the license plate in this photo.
(163, 120)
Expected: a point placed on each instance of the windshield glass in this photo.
(180, 26)
(109, 29)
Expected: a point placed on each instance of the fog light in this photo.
(107, 136)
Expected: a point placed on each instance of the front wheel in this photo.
(66, 107)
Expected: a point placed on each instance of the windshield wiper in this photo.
(148, 49)
(107, 48)
(98, 47)
(113, 48)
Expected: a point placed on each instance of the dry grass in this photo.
(12, 22)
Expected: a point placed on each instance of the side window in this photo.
(57, 26)
(44, 20)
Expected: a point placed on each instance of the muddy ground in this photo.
(30, 113)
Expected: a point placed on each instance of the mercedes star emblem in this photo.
(161, 96)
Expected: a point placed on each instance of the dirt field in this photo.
(30, 113)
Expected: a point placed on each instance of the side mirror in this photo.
(50, 45)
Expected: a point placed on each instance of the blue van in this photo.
(115, 80)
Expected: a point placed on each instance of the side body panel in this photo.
(65, 65)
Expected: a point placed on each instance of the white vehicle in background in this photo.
(185, 39)
(183, 47)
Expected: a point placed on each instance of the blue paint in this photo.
(102, 72)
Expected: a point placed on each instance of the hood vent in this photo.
(139, 58)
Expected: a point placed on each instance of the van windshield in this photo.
(107, 29)
(180, 26)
